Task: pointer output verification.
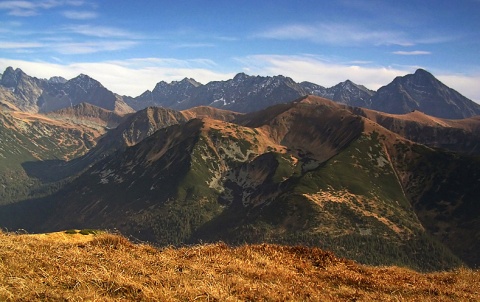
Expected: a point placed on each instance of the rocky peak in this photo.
(189, 82)
(241, 77)
(57, 80)
(11, 77)
(422, 91)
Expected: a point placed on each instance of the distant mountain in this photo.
(25, 89)
(422, 91)
(165, 94)
(34, 95)
(243, 93)
(347, 93)
(306, 172)
(81, 89)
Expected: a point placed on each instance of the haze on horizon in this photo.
(129, 47)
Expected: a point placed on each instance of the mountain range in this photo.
(377, 187)
(419, 91)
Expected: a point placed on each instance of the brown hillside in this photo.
(210, 112)
(89, 115)
(462, 135)
(108, 267)
(315, 125)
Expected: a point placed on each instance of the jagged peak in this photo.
(10, 76)
(84, 78)
(240, 76)
(57, 79)
(10, 70)
(423, 72)
(186, 80)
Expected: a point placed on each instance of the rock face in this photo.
(422, 91)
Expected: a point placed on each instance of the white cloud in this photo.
(412, 53)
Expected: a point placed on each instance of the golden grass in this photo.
(108, 267)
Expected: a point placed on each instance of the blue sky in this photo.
(129, 46)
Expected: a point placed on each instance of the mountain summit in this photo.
(422, 91)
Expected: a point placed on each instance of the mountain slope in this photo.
(87, 114)
(27, 138)
(422, 91)
(461, 135)
(132, 130)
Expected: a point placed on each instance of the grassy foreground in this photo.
(108, 267)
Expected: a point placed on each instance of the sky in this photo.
(129, 46)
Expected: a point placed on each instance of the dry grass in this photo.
(108, 267)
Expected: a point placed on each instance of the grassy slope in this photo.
(110, 268)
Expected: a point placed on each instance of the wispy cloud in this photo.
(67, 47)
(20, 45)
(31, 8)
(412, 53)
(336, 33)
(89, 47)
(166, 62)
(100, 31)
(192, 45)
(79, 15)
